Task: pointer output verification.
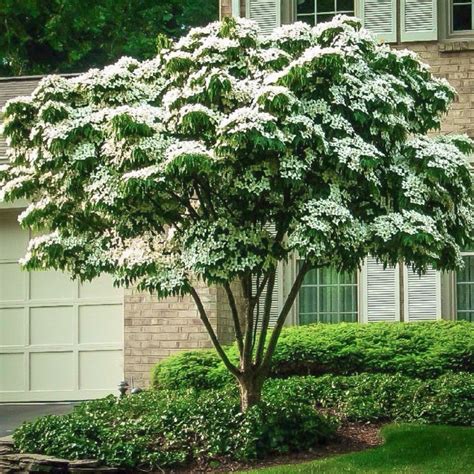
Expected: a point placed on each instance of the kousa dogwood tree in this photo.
(230, 152)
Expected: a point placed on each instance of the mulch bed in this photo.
(350, 437)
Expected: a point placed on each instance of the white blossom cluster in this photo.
(167, 170)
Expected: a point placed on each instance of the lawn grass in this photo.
(420, 449)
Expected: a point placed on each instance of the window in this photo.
(317, 11)
(462, 15)
(328, 296)
(465, 288)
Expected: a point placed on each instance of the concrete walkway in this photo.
(12, 416)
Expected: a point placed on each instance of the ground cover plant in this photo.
(230, 152)
(419, 350)
(407, 449)
(173, 428)
(155, 430)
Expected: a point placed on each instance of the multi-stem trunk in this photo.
(250, 387)
(255, 351)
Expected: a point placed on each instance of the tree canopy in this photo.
(46, 36)
(229, 152)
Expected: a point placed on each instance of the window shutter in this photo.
(276, 299)
(235, 8)
(422, 295)
(267, 14)
(277, 296)
(380, 17)
(380, 292)
(419, 20)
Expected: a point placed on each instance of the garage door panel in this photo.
(101, 287)
(12, 372)
(12, 282)
(59, 340)
(99, 369)
(52, 371)
(100, 324)
(52, 325)
(12, 326)
(14, 239)
(51, 285)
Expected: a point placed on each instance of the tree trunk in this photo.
(250, 390)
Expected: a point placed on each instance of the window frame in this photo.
(295, 319)
(454, 277)
(357, 11)
(445, 23)
(469, 253)
(451, 19)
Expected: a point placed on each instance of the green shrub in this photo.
(423, 350)
(448, 399)
(169, 429)
(201, 369)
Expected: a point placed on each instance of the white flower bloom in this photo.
(186, 148)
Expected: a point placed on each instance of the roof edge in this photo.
(36, 77)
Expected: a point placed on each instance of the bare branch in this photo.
(202, 314)
(235, 317)
(282, 317)
(266, 316)
(247, 351)
(186, 204)
(204, 197)
(260, 289)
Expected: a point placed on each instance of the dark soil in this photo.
(350, 437)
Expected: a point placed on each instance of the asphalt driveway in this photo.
(12, 416)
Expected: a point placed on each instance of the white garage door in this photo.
(59, 340)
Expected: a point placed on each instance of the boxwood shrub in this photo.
(448, 399)
(422, 350)
(155, 430)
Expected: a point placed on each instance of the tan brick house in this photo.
(63, 341)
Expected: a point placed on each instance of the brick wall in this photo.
(155, 329)
(226, 8)
(455, 62)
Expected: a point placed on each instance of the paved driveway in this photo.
(12, 416)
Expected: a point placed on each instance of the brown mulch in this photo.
(350, 437)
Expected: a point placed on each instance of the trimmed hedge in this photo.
(423, 350)
(155, 430)
(448, 399)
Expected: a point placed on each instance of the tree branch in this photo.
(249, 303)
(186, 204)
(282, 317)
(266, 316)
(235, 317)
(202, 314)
(260, 289)
(204, 198)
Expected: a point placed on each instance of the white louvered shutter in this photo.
(380, 17)
(276, 299)
(381, 292)
(422, 296)
(267, 14)
(419, 20)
